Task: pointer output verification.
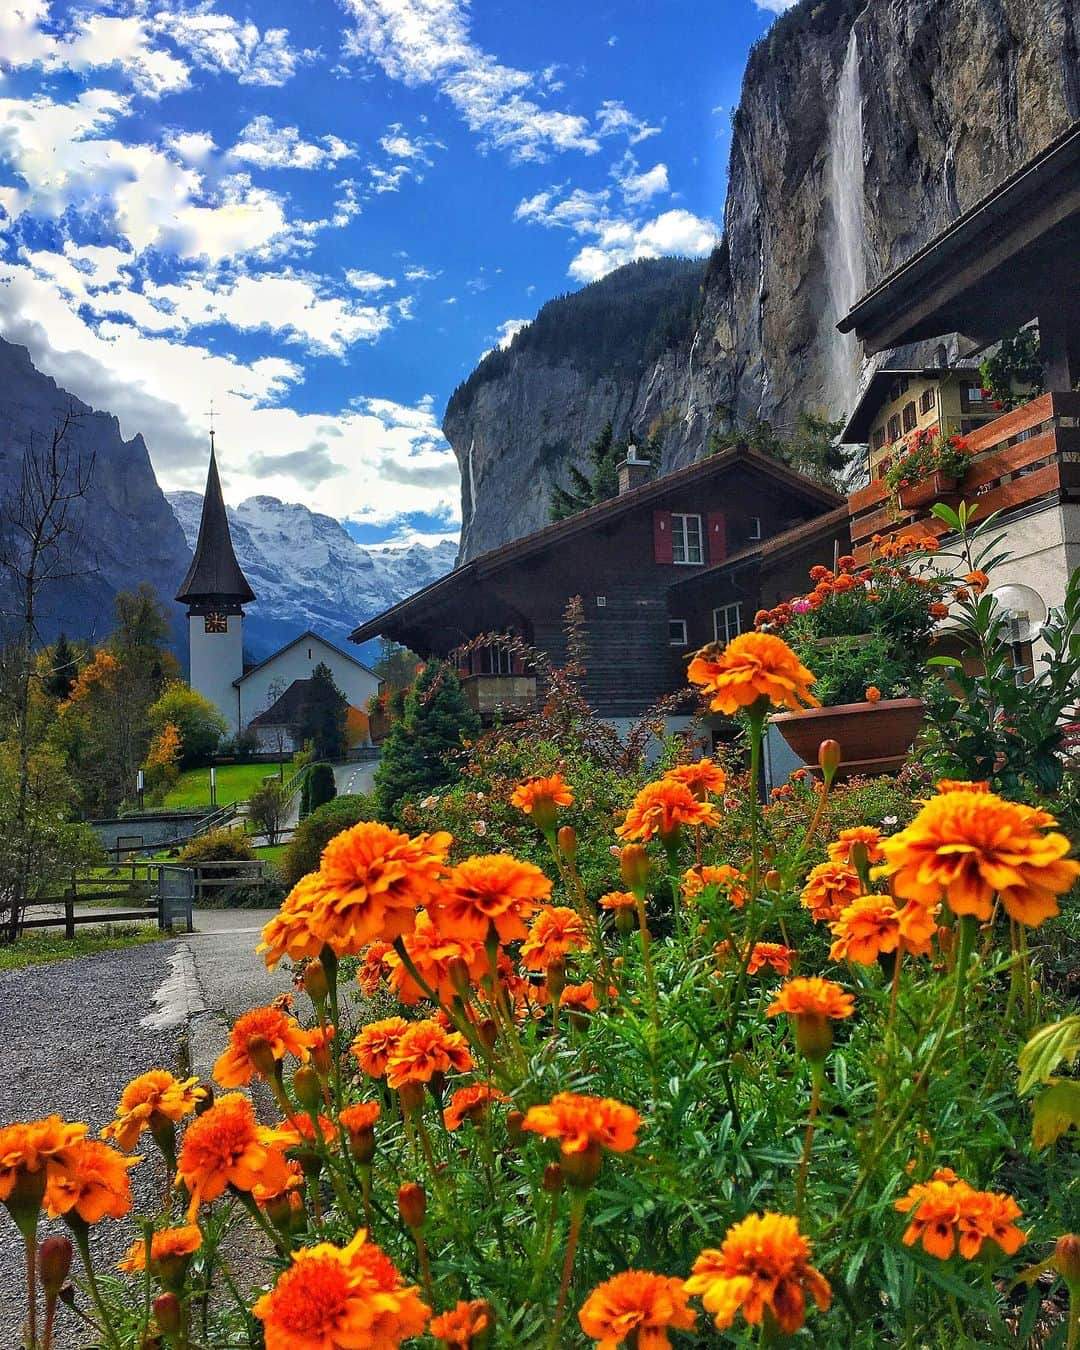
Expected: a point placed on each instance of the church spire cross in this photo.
(214, 578)
(210, 415)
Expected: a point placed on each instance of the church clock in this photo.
(216, 622)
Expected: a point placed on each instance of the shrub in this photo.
(199, 724)
(321, 786)
(220, 887)
(267, 808)
(416, 755)
(316, 830)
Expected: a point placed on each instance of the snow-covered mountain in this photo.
(307, 572)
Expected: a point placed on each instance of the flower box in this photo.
(874, 738)
(932, 488)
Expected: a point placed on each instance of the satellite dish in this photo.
(1023, 609)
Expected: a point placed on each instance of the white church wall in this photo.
(297, 662)
(216, 660)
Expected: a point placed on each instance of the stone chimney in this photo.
(633, 471)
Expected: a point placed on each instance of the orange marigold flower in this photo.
(148, 1099)
(225, 1146)
(966, 846)
(555, 932)
(91, 1179)
(271, 1027)
(812, 997)
(374, 967)
(978, 581)
(471, 1103)
(426, 1048)
(663, 808)
(300, 1130)
(752, 666)
(295, 930)
(867, 835)
(728, 880)
(830, 887)
(616, 900)
(579, 997)
(493, 888)
(636, 1307)
(28, 1147)
(336, 1297)
(938, 611)
(376, 878)
(432, 953)
(873, 694)
(541, 798)
(166, 1244)
(702, 777)
(360, 1116)
(773, 955)
(962, 785)
(578, 1122)
(459, 1328)
(764, 1262)
(872, 925)
(948, 1215)
(374, 1044)
(282, 1184)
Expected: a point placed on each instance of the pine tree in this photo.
(63, 670)
(586, 490)
(321, 785)
(415, 757)
(322, 719)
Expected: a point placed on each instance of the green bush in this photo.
(316, 830)
(321, 786)
(223, 846)
(417, 754)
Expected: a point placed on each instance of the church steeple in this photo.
(214, 578)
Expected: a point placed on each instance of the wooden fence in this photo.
(120, 893)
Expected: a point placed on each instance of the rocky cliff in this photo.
(864, 128)
(126, 532)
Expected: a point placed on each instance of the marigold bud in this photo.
(582, 1169)
(315, 981)
(261, 1054)
(556, 980)
(54, 1262)
(412, 1096)
(813, 1036)
(1067, 1259)
(625, 920)
(412, 1204)
(514, 1132)
(567, 837)
(773, 880)
(362, 1146)
(458, 970)
(553, 1177)
(488, 1032)
(828, 755)
(308, 1089)
(168, 1313)
(279, 1211)
(634, 867)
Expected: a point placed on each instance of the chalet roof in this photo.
(214, 573)
(308, 635)
(286, 710)
(1001, 263)
(733, 457)
(872, 397)
(833, 524)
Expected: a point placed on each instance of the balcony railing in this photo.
(486, 693)
(1019, 458)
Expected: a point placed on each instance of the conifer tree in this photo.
(63, 670)
(587, 489)
(415, 757)
(322, 719)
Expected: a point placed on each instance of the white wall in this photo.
(216, 660)
(297, 662)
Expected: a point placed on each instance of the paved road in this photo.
(355, 777)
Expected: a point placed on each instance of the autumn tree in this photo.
(200, 724)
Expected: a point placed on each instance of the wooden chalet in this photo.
(633, 560)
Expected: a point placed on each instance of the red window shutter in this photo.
(717, 527)
(517, 664)
(661, 534)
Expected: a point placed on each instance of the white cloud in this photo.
(509, 330)
(268, 146)
(417, 273)
(775, 6)
(220, 42)
(428, 42)
(193, 147)
(640, 187)
(368, 281)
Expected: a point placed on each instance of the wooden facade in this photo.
(627, 559)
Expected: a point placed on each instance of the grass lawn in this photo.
(42, 945)
(235, 783)
(271, 854)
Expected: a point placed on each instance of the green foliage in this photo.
(1014, 374)
(396, 665)
(267, 808)
(416, 755)
(44, 946)
(200, 723)
(587, 489)
(845, 667)
(812, 449)
(315, 831)
(63, 669)
(321, 786)
(222, 845)
(322, 720)
(610, 329)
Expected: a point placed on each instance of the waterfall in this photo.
(844, 253)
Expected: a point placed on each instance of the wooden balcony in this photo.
(1024, 456)
(508, 694)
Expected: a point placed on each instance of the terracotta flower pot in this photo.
(874, 738)
(926, 491)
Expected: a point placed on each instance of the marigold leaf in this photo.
(1055, 1111)
(1049, 1045)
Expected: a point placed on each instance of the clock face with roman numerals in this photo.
(216, 623)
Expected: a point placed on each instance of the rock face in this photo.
(127, 533)
(307, 572)
(864, 128)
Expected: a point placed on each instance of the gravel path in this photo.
(71, 1040)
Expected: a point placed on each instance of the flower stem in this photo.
(30, 1245)
(81, 1233)
(817, 1075)
(577, 1213)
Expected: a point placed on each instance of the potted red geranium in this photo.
(926, 468)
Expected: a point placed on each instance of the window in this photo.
(755, 527)
(686, 542)
(894, 427)
(941, 356)
(972, 398)
(898, 389)
(929, 397)
(879, 438)
(910, 416)
(495, 659)
(727, 623)
(677, 633)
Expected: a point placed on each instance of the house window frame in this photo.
(494, 656)
(755, 528)
(910, 416)
(683, 640)
(680, 538)
(893, 429)
(726, 610)
(928, 399)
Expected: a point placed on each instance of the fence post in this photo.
(160, 897)
(69, 916)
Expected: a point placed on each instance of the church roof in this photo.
(214, 573)
(287, 709)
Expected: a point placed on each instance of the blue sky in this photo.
(318, 214)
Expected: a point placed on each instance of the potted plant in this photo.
(864, 631)
(927, 467)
